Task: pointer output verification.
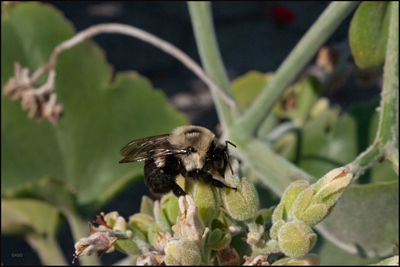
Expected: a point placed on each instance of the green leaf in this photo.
(38, 222)
(327, 142)
(127, 246)
(365, 219)
(101, 114)
(247, 87)
(47, 189)
(368, 33)
(329, 254)
(34, 215)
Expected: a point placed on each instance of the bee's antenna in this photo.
(229, 142)
(226, 153)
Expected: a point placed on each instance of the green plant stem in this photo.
(79, 230)
(200, 14)
(272, 169)
(322, 29)
(386, 136)
(48, 250)
(388, 119)
(393, 157)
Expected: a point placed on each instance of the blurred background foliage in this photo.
(70, 171)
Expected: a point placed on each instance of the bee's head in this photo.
(218, 157)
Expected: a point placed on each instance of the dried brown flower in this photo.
(40, 102)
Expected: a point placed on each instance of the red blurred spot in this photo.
(281, 14)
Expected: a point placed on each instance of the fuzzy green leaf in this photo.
(330, 254)
(365, 219)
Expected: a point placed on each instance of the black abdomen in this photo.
(161, 180)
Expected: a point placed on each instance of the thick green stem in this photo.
(272, 169)
(200, 13)
(386, 136)
(388, 118)
(291, 67)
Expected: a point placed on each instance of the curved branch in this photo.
(146, 37)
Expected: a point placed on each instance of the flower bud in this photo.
(182, 252)
(296, 239)
(330, 176)
(206, 201)
(313, 214)
(146, 206)
(120, 224)
(116, 222)
(264, 216)
(290, 195)
(330, 191)
(153, 232)
(127, 246)
(188, 225)
(256, 237)
(273, 231)
(310, 259)
(169, 204)
(241, 204)
(141, 221)
(152, 258)
(277, 215)
(217, 239)
(161, 240)
(273, 246)
(160, 217)
(260, 260)
(302, 201)
(99, 241)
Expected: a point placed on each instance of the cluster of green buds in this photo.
(303, 206)
(199, 228)
(195, 229)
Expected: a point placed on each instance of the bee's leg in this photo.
(207, 178)
(178, 191)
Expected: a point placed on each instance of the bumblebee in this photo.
(192, 151)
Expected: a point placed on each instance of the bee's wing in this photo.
(150, 147)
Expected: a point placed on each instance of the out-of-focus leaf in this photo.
(327, 142)
(101, 115)
(298, 100)
(365, 220)
(38, 222)
(329, 254)
(127, 246)
(46, 189)
(247, 87)
(34, 216)
(368, 33)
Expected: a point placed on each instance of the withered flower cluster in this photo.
(40, 102)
